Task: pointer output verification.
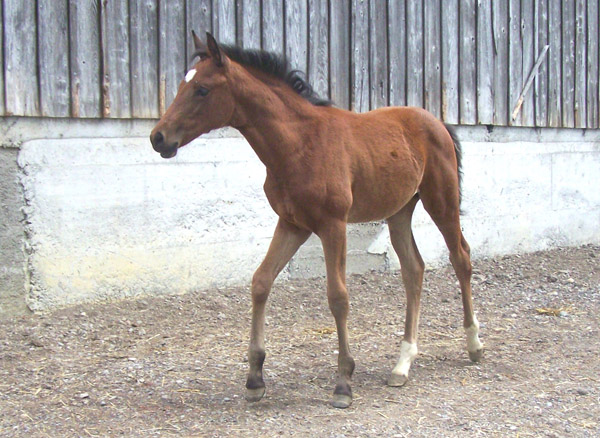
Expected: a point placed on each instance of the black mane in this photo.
(276, 65)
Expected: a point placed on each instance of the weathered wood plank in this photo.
(432, 27)
(397, 51)
(53, 57)
(529, 57)
(199, 19)
(515, 59)
(339, 53)
(171, 43)
(554, 63)
(593, 91)
(378, 57)
(249, 24)
(485, 63)
(414, 53)
(468, 62)
(224, 21)
(2, 106)
(580, 63)
(296, 34)
(116, 83)
(500, 70)
(360, 56)
(318, 47)
(568, 64)
(450, 60)
(84, 30)
(541, 80)
(272, 26)
(144, 58)
(20, 58)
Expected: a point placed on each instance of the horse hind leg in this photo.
(471, 325)
(412, 268)
(443, 207)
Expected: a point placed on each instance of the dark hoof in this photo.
(397, 380)
(476, 356)
(341, 401)
(254, 395)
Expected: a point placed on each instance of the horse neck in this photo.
(274, 120)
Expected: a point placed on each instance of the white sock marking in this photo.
(408, 352)
(190, 75)
(473, 342)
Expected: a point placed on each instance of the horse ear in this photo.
(214, 50)
(198, 44)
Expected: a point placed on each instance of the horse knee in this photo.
(339, 303)
(462, 263)
(261, 286)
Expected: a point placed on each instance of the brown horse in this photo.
(327, 167)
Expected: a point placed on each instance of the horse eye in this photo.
(201, 91)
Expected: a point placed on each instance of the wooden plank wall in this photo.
(466, 61)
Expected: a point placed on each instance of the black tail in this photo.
(458, 151)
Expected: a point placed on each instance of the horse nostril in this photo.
(158, 138)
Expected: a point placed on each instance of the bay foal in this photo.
(327, 167)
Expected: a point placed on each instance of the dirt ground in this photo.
(176, 366)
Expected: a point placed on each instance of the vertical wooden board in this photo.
(485, 63)
(144, 58)
(468, 62)
(272, 26)
(568, 64)
(360, 56)
(84, 33)
(2, 107)
(529, 57)
(53, 57)
(378, 62)
(540, 88)
(171, 49)
(554, 63)
(450, 59)
(580, 63)
(20, 58)
(249, 23)
(432, 57)
(500, 69)
(339, 53)
(198, 15)
(224, 22)
(397, 51)
(515, 60)
(116, 83)
(296, 34)
(593, 92)
(414, 53)
(318, 46)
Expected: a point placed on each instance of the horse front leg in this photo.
(286, 241)
(334, 248)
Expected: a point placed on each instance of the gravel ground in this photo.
(175, 366)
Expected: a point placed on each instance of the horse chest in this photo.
(285, 203)
(295, 203)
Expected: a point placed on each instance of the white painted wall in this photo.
(108, 218)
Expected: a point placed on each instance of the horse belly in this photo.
(377, 203)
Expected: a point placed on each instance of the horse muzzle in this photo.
(160, 145)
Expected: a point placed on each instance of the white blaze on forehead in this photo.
(190, 75)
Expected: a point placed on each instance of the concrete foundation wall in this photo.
(12, 237)
(93, 218)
